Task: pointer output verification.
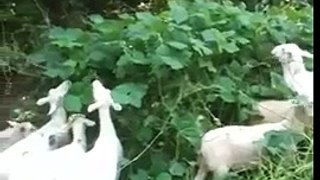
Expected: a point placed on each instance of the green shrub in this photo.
(177, 73)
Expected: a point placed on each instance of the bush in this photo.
(179, 73)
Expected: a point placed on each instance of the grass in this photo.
(288, 166)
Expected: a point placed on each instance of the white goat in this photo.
(232, 147)
(57, 161)
(107, 151)
(102, 161)
(15, 132)
(295, 74)
(38, 141)
(276, 110)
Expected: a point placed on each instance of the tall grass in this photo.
(297, 165)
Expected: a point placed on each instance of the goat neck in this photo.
(58, 117)
(107, 129)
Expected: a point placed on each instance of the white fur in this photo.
(102, 161)
(233, 146)
(15, 132)
(37, 142)
(276, 110)
(295, 74)
(55, 163)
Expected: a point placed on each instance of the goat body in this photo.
(58, 161)
(232, 147)
(13, 134)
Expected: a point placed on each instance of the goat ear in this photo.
(53, 108)
(306, 54)
(12, 123)
(89, 123)
(93, 106)
(117, 106)
(42, 101)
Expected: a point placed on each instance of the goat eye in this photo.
(52, 140)
(22, 129)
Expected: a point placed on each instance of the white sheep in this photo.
(295, 74)
(15, 132)
(58, 161)
(233, 147)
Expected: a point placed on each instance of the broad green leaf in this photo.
(187, 128)
(164, 176)
(130, 93)
(177, 45)
(51, 72)
(230, 47)
(65, 37)
(226, 89)
(177, 169)
(173, 63)
(138, 31)
(227, 96)
(160, 163)
(97, 55)
(72, 103)
(207, 64)
(144, 134)
(241, 40)
(278, 83)
(70, 63)
(179, 14)
(153, 22)
(170, 57)
(140, 175)
(280, 141)
(225, 82)
(208, 35)
(83, 90)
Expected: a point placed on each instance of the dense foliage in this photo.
(193, 66)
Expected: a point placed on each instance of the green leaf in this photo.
(72, 103)
(226, 89)
(51, 72)
(70, 63)
(164, 176)
(83, 90)
(280, 141)
(173, 63)
(130, 93)
(278, 83)
(177, 45)
(207, 64)
(179, 14)
(177, 169)
(230, 47)
(97, 55)
(208, 35)
(65, 37)
(227, 96)
(140, 175)
(138, 31)
(187, 128)
(175, 59)
(144, 134)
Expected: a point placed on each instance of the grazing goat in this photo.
(233, 147)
